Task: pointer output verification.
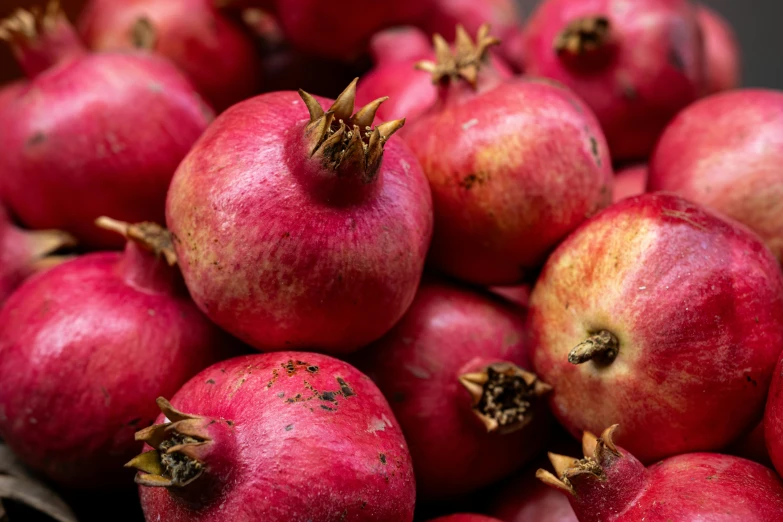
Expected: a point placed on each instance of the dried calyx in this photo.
(600, 347)
(503, 395)
(26, 25)
(464, 61)
(178, 445)
(150, 236)
(583, 36)
(599, 452)
(344, 142)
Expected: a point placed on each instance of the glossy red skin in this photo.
(212, 50)
(725, 152)
(693, 486)
(77, 129)
(527, 499)
(310, 260)
(17, 256)
(446, 332)
(722, 51)
(399, 44)
(308, 459)
(465, 517)
(629, 182)
(695, 302)
(85, 349)
(641, 89)
(513, 169)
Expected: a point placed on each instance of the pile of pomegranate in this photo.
(321, 261)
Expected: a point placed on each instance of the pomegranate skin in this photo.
(526, 499)
(465, 517)
(447, 332)
(84, 350)
(213, 51)
(514, 167)
(752, 446)
(693, 303)
(648, 67)
(773, 419)
(629, 182)
(725, 152)
(344, 455)
(721, 50)
(76, 129)
(310, 259)
(693, 486)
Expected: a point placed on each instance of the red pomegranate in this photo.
(662, 315)
(297, 232)
(87, 346)
(773, 419)
(289, 436)
(610, 485)
(722, 52)
(636, 64)
(90, 133)
(454, 371)
(725, 152)
(210, 48)
(514, 165)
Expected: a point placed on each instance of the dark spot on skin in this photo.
(281, 394)
(211, 381)
(469, 181)
(756, 319)
(325, 407)
(398, 397)
(710, 477)
(230, 423)
(675, 59)
(364, 504)
(223, 370)
(382, 457)
(36, 139)
(289, 427)
(295, 398)
(344, 388)
(286, 235)
(328, 396)
(135, 421)
(312, 369)
(576, 105)
(751, 380)
(275, 373)
(594, 150)
(628, 90)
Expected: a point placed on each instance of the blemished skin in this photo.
(692, 486)
(310, 438)
(514, 167)
(725, 152)
(214, 52)
(721, 50)
(285, 253)
(111, 128)
(629, 182)
(693, 303)
(450, 331)
(646, 68)
(85, 348)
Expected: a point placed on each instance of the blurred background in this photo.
(757, 24)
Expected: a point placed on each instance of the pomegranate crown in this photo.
(583, 35)
(346, 143)
(26, 25)
(599, 452)
(150, 236)
(502, 395)
(464, 61)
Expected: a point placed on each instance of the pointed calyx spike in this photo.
(344, 142)
(583, 35)
(502, 395)
(464, 61)
(143, 34)
(151, 236)
(25, 25)
(600, 347)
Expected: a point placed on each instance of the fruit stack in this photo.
(297, 260)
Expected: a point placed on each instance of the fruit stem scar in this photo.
(601, 347)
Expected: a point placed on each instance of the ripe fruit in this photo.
(311, 431)
(514, 165)
(301, 233)
(87, 346)
(454, 371)
(629, 182)
(76, 128)
(212, 50)
(636, 64)
(527, 499)
(721, 51)
(725, 152)
(773, 419)
(664, 316)
(610, 485)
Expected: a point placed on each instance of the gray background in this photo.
(759, 27)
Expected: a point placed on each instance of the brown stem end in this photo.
(601, 347)
(583, 36)
(150, 236)
(464, 62)
(26, 25)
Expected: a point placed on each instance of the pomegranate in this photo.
(609, 484)
(465, 517)
(773, 419)
(630, 181)
(526, 499)
(725, 152)
(636, 64)
(454, 372)
(311, 431)
(519, 295)
(87, 346)
(400, 44)
(663, 315)
(514, 165)
(301, 232)
(721, 51)
(210, 48)
(24, 252)
(77, 128)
